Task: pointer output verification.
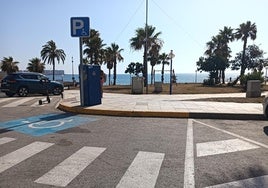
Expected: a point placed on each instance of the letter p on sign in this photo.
(80, 27)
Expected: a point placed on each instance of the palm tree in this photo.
(139, 41)
(113, 52)
(153, 58)
(227, 36)
(9, 65)
(109, 63)
(93, 48)
(50, 53)
(163, 59)
(245, 31)
(219, 51)
(36, 65)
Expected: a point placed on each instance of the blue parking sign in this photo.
(80, 27)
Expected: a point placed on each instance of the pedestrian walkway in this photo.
(150, 105)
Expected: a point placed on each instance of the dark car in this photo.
(23, 83)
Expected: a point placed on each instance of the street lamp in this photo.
(73, 70)
(171, 55)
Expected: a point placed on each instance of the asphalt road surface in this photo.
(43, 147)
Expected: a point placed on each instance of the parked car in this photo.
(24, 83)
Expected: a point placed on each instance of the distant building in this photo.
(50, 72)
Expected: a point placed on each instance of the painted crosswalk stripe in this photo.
(261, 181)
(19, 102)
(143, 171)
(15, 157)
(62, 174)
(223, 146)
(189, 176)
(6, 100)
(5, 140)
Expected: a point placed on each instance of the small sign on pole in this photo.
(80, 27)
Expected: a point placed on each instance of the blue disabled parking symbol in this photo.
(45, 124)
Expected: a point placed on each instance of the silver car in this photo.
(265, 106)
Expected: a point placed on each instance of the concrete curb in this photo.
(81, 110)
(160, 114)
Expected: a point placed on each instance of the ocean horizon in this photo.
(125, 79)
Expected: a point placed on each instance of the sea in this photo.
(125, 79)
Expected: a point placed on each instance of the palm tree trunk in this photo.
(152, 76)
(145, 66)
(114, 72)
(53, 73)
(223, 76)
(162, 73)
(109, 77)
(243, 65)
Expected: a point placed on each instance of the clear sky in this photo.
(186, 26)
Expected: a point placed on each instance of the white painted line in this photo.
(6, 140)
(233, 134)
(19, 102)
(6, 99)
(143, 171)
(11, 159)
(223, 146)
(62, 174)
(189, 181)
(257, 182)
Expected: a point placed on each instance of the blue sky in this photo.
(186, 26)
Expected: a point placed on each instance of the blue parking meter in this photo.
(91, 85)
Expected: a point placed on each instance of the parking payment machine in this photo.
(91, 85)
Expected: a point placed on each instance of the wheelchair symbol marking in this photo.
(49, 124)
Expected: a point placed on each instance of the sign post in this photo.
(80, 28)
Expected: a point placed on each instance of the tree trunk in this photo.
(152, 76)
(144, 72)
(53, 71)
(162, 73)
(223, 76)
(114, 73)
(109, 77)
(243, 65)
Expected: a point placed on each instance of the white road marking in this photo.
(6, 99)
(233, 134)
(143, 171)
(223, 146)
(19, 102)
(11, 159)
(6, 140)
(189, 181)
(62, 174)
(257, 182)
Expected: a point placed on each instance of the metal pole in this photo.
(81, 73)
(170, 86)
(72, 68)
(73, 71)
(146, 48)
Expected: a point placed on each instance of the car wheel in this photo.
(266, 112)
(57, 91)
(9, 94)
(23, 91)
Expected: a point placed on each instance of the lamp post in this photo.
(171, 55)
(73, 70)
(146, 48)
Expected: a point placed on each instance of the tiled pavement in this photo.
(157, 105)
